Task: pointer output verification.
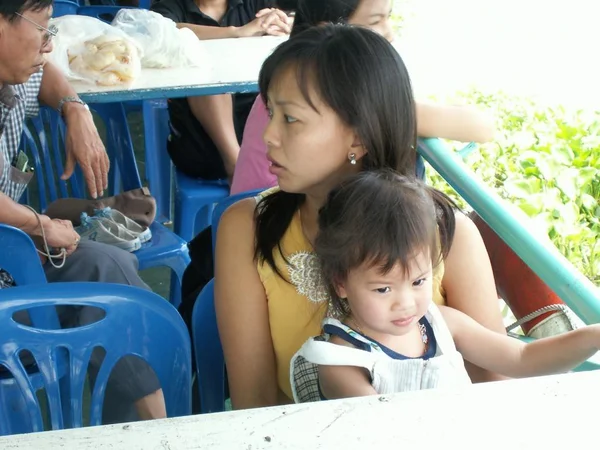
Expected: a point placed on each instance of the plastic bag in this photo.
(163, 44)
(88, 49)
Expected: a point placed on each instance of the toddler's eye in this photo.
(383, 290)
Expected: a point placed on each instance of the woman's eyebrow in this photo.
(289, 103)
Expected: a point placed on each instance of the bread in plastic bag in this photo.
(162, 43)
(88, 49)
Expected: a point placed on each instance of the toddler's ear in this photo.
(340, 289)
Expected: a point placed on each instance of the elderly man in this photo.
(26, 80)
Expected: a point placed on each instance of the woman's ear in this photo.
(358, 148)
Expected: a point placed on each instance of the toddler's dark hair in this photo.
(379, 218)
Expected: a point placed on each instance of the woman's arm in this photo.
(242, 314)
(204, 32)
(502, 354)
(469, 284)
(458, 123)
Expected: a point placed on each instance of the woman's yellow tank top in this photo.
(297, 303)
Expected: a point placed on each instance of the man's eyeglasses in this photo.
(49, 32)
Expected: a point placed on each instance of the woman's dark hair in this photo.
(10, 8)
(310, 13)
(361, 77)
(378, 218)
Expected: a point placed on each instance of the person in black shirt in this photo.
(206, 131)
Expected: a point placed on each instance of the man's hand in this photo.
(84, 147)
(60, 234)
(270, 21)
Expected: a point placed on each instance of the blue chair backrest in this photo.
(19, 257)
(64, 8)
(101, 12)
(44, 142)
(210, 364)
(137, 322)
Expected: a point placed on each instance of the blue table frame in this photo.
(127, 95)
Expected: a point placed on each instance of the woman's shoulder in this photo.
(245, 209)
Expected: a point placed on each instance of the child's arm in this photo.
(344, 381)
(502, 354)
(458, 123)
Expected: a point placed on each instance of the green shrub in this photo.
(546, 161)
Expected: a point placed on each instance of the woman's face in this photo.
(375, 15)
(308, 148)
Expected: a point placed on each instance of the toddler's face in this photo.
(391, 303)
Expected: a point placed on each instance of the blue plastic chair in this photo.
(195, 201)
(130, 326)
(64, 8)
(194, 198)
(143, 4)
(165, 249)
(20, 259)
(158, 165)
(68, 7)
(210, 364)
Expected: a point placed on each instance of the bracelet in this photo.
(64, 100)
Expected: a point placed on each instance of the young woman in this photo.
(329, 118)
(252, 166)
(451, 122)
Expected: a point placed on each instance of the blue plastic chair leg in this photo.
(158, 163)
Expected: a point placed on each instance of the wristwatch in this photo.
(64, 100)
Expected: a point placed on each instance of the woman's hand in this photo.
(269, 21)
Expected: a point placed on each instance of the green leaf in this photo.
(568, 213)
(563, 154)
(588, 202)
(532, 205)
(566, 181)
(585, 175)
(548, 166)
(519, 188)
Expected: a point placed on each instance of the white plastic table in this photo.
(232, 66)
(558, 412)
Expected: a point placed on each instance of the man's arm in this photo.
(83, 144)
(18, 216)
